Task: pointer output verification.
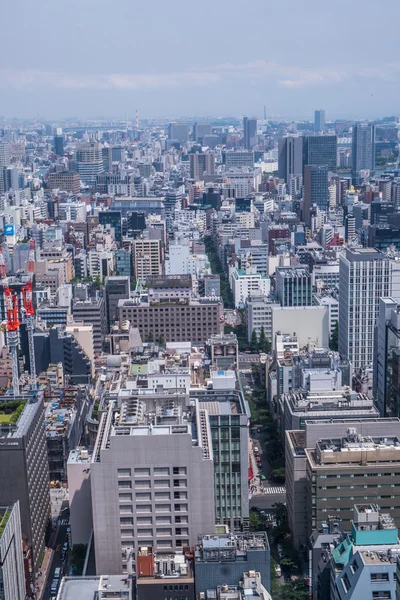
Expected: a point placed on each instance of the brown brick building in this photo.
(66, 181)
(178, 321)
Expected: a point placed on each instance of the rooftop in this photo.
(231, 546)
(104, 587)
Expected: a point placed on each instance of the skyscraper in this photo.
(290, 157)
(250, 132)
(319, 120)
(90, 162)
(365, 276)
(201, 163)
(12, 576)
(178, 131)
(363, 150)
(200, 130)
(59, 143)
(4, 163)
(321, 150)
(315, 189)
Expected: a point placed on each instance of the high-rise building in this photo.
(117, 288)
(201, 163)
(316, 190)
(290, 157)
(112, 218)
(66, 181)
(4, 163)
(319, 120)
(24, 470)
(147, 258)
(92, 312)
(293, 286)
(365, 276)
(12, 576)
(59, 144)
(386, 388)
(250, 138)
(178, 131)
(235, 159)
(90, 162)
(200, 130)
(148, 478)
(321, 150)
(363, 151)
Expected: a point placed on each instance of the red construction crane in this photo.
(30, 326)
(3, 270)
(11, 307)
(31, 261)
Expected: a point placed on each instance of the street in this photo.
(56, 562)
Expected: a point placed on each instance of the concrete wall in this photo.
(80, 501)
(308, 323)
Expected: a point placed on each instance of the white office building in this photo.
(365, 275)
(245, 282)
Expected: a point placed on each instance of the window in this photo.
(124, 484)
(381, 595)
(126, 520)
(124, 472)
(140, 496)
(379, 576)
(142, 471)
(161, 471)
(125, 497)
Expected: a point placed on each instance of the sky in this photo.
(89, 58)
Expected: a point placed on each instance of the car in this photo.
(263, 478)
(65, 546)
(278, 570)
(62, 556)
(54, 586)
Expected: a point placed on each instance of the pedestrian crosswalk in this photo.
(274, 490)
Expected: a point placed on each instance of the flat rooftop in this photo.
(104, 587)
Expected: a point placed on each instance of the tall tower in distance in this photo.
(249, 132)
(363, 151)
(319, 120)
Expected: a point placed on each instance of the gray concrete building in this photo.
(225, 557)
(116, 287)
(296, 443)
(151, 465)
(12, 575)
(293, 286)
(92, 312)
(24, 472)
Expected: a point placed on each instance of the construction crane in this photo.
(11, 306)
(3, 270)
(31, 259)
(30, 326)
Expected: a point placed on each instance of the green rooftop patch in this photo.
(10, 411)
(3, 521)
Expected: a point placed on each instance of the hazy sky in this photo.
(86, 58)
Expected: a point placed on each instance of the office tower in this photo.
(316, 190)
(228, 418)
(12, 575)
(386, 388)
(225, 557)
(321, 150)
(235, 159)
(92, 312)
(250, 138)
(365, 276)
(113, 219)
(4, 155)
(200, 130)
(176, 321)
(117, 288)
(363, 151)
(179, 132)
(200, 164)
(290, 157)
(148, 478)
(147, 258)
(357, 466)
(66, 181)
(24, 470)
(319, 120)
(59, 144)
(89, 162)
(293, 286)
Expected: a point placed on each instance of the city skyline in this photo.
(82, 66)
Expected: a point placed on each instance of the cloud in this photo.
(290, 77)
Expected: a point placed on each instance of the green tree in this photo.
(254, 342)
(161, 340)
(279, 475)
(78, 557)
(264, 344)
(254, 521)
(150, 337)
(334, 339)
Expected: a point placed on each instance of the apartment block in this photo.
(147, 258)
(92, 312)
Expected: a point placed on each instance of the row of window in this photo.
(156, 471)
